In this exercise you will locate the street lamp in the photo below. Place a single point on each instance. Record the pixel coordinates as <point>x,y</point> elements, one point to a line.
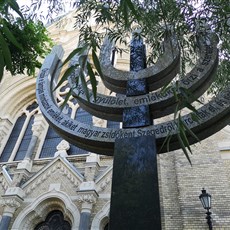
<point>205,199</point>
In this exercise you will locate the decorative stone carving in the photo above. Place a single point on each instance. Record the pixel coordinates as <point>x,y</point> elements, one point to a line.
<point>2,135</point>
<point>104,180</point>
<point>87,197</point>
<point>61,169</point>
<point>4,183</point>
<point>38,125</point>
<point>8,201</point>
<point>5,126</point>
<point>104,184</point>
<point>63,145</point>
<point>62,148</point>
<point>10,204</point>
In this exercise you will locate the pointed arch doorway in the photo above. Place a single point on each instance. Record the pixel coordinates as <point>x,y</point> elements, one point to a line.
<point>54,221</point>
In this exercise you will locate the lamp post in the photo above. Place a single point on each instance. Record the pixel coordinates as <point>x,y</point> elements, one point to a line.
<point>205,199</point>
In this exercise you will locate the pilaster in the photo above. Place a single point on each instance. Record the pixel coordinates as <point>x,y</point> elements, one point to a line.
<point>12,200</point>
<point>87,197</point>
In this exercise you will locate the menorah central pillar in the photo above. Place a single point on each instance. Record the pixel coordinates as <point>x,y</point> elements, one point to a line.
<point>135,192</point>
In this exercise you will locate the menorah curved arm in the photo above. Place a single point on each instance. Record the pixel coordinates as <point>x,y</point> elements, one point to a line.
<point>196,81</point>
<point>158,75</point>
<point>213,117</point>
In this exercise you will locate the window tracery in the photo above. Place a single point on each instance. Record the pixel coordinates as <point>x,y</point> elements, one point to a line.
<point>54,221</point>
<point>16,146</point>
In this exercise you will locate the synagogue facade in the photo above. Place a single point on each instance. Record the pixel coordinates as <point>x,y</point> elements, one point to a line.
<point>47,181</point>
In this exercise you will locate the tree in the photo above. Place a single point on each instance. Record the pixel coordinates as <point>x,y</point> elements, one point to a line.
<point>157,19</point>
<point>22,41</point>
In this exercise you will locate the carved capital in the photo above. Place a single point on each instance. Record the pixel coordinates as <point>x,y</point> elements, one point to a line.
<point>89,197</point>
<point>10,204</point>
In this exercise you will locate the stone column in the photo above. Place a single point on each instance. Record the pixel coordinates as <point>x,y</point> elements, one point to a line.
<point>25,166</point>
<point>37,128</point>
<point>10,201</point>
<point>87,196</point>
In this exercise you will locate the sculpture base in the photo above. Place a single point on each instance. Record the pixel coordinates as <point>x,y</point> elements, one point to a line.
<point>135,192</point>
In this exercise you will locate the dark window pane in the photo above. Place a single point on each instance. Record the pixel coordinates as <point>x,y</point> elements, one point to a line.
<point>32,107</point>
<point>52,139</point>
<point>84,117</point>
<point>74,150</point>
<point>50,144</point>
<point>25,141</point>
<point>113,124</point>
<point>54,221</point>
<point>13,138</point>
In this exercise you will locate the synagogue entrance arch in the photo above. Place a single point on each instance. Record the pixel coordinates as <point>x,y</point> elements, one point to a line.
<point>38,211</point>
<point>101,219</point>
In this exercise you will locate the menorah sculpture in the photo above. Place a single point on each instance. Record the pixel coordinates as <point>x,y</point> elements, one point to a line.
<point>135,193</point>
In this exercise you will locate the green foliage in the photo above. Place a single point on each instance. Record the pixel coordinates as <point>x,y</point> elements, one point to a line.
<point>35,44</point>
<point>157,19</point>
<point>22,42</point>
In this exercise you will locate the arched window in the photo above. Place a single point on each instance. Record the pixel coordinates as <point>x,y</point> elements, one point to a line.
<point>20,136</point>
<point>25,141</point>
<point>53,139</point>
<point>50,144</point>
<point>54,221</point>
<point>13,138</point>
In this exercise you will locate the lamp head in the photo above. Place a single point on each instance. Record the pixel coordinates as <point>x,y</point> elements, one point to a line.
<point>205,199</point>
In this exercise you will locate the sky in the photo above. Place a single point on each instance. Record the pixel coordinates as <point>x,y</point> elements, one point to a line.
<point>43,10</point>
